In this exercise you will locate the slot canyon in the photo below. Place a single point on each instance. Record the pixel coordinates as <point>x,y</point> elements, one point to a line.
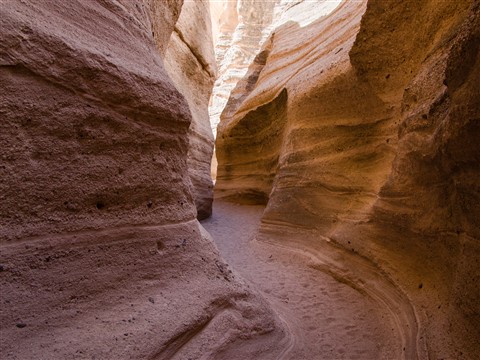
<point>240,179</point>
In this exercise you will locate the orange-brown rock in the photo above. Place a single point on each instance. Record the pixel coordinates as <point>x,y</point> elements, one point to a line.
<point>359,129</point>
<point>101,255</point>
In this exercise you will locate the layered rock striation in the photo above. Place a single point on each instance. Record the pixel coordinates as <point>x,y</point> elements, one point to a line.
<point>242,27</point>
<point>101,255</point>
<point>190,62</point>
<point>357,129</point>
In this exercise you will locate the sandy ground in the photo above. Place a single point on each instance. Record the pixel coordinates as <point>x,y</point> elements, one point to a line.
<point>326,318</point>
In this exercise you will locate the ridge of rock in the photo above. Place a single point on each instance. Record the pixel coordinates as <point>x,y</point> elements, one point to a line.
<point>190,62</point>
<point>101,255</point>
<point>362,127</point>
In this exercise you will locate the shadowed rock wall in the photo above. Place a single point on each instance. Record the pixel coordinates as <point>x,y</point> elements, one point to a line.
<point>377,152</point>
<point>190,62</point>
<point>100,252</point>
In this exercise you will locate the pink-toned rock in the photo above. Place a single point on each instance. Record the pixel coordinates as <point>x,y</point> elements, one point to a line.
<point>101,254</point>
<point>190,62</point>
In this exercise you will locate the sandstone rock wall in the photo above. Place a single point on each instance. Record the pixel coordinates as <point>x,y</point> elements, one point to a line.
<point>241,28</point>
<point>290,50</point>
<point>372,148</point>
<point>224,17</point>
<point>190,62</point>
<point>64,167</point>
<point>243,25</point>
<point>431,194</point>
<point>100,252</point>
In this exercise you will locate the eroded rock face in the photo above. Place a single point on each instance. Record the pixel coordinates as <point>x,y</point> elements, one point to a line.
<point>190,62</point>
<point>362,128</point>
<point>275,66</point>
<point>242,26</point>
<point>100,252</point>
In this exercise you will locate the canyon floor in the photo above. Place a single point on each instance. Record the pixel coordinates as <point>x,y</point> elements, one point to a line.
<point>325,316</point>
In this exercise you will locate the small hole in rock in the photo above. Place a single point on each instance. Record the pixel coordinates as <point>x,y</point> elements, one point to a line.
<point>100,205</point>
<point>160,245</point>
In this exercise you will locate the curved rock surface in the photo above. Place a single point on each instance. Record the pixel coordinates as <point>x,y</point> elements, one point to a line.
<point>358,129</point>
<point>100,252</point>
<point>190,62</point>
<point>242,26</point>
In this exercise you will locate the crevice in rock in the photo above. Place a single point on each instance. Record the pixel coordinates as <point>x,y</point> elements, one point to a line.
<point>379,96</point>
<point>347,201</point>
<point>263,128</point>
<point>205,65</point>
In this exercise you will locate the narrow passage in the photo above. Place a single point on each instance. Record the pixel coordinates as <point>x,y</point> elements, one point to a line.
<point>327,319</point>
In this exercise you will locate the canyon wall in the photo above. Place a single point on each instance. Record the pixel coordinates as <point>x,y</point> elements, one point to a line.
<point>101,255</point>
<point>358,130</point>
<point>241,26</point>
<point>190,62</point>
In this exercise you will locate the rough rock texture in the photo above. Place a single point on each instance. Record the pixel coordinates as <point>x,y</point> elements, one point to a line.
<point>100,252</point>
<point>360,128</point>
<point>242,26</point>
<point>190,62</point>
<point>259,96</point>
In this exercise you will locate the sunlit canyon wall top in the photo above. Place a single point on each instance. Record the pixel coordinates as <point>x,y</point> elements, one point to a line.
<point>241,27</point>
